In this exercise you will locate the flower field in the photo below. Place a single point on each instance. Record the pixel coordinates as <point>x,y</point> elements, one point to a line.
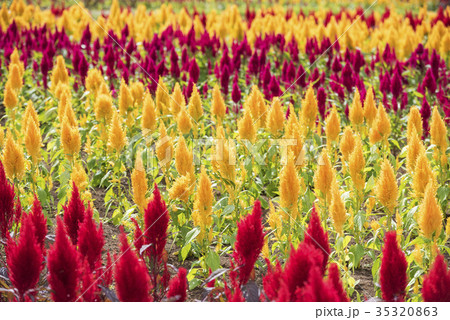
<point>274,152</point>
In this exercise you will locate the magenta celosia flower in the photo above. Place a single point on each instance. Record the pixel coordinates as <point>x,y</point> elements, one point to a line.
<point>429,81</point>
<point>24,259</point>
<point>298,268</point>
<point>130,273</point>
<point>317,237</point>
<point>393,278</point>
<point>90,240</point>
<point>178,286</point>
<point>156,219</point>
<point>347,77</point>
<point>194,70</point>
<point>63,267</point>
<point>39,223</point>
<point>272,280</point>
<point>7,211</point>
<point>396,84</point>
<point>321,101</point>
<point>249,242</point>
<point>74,214</point>
<point>335,280</point>
<point>436,283</point>
<point>236,92</point>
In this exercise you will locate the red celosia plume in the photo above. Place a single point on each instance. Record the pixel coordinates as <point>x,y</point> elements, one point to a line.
<point>39,222</point>
<point>436,283</point>
<point>7,211</point>
<point>316,236</point>
<point>138,237</point>
<point>90,240</point>
<point>89,288</point>
<point>74,214</point>
<point>24,259</point>
<point>63,267</point>
<point>156,218</point>
<point>178,286</point>
<point>335,280</point>
<point>249,242</point>
<point>317,289</point>
<point>132,279</point>
<point>393,278</point>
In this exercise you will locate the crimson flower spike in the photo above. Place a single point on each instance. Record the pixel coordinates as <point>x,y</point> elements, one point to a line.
<point>249,242</point>
<point>178,286</point>
<point>74,214</point>
<point>63,267</point>
<point>90,239</point>
<point>393,276</point>
<point>436,283</point>
<point>317,237</point>
<point>130,273</point>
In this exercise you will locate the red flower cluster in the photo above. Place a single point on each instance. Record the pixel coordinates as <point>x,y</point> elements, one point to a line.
<point>249,242</point>
<point>393,276</point>
<point>24,259</point>
<point>90,240</point>
<point>7,212</point>
<point>74,214</point>
<point>178,286</point>
<point>436,283</point>
<point>63,267</point>
<point>132,280</point>
<point>317,237</point>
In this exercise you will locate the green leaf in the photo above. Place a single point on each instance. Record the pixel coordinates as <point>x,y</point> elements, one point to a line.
<point>228,209</point>
<point>185,251</point>
<point>191,235</point>
<point>213,260</point>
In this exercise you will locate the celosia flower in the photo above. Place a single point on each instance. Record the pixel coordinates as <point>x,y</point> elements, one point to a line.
<point>430,214</point>
<point>130,273</point>
<point>249,242</point>
<point>386,188</point>
<point>317,237</point>
<point>289,189</point>
<point>181,189</point>
<point>316,289</point>
<point>73,214</point>
<point>333,125</point>
<point>13,158</point>
<point>438,131</point>
<point>63,267</point>
<point>139,183</point>
<point>156,220</point>
<point>184,122</point>
<point>70,139</point>
<point>218,108</point>
<point>137,92</point>
<point>393,278</point>
<point>275,119</point>
<point>90,240</point>
<point>93,81</point>
<point>195,105</point>
<point>178,286</point>
<point>162,98</point>
<point>79,176</point>
<point>370,109</point>
<point>117,138</point>
<point>335,279</point>
<point>436,282</point>
<point>103,108</point>
<point>246,127</point>
<point>324,177</point>
<point>337,210</point>
<point>423,174</point>
<point>347,143</point>
<point>33,140</point>
<point>309,108</point>
<point>6,204</point>
<point>24,259</point>
<point>356,165</point>
<point>164,147</point>
<point>356,112</point>
<point>203,205</point>
<point>39,223</point>
<point>10,99</point>
<point>184,159</point>
<point>177,101</point>
<point>415,148</point>
<point>15,78</point>
<point>148,113</point>
<point>59,74</point>
<point>125,98</point>
<point>381,127</point>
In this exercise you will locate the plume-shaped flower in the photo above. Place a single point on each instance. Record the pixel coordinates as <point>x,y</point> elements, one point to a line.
<point>275,119</point>
<point>63,267</point>
<point>393,278</point>
<point>318,238</point>
<point>430,214</point>
<point>7,211</point>
<point>24,259</point>
<point>117,138</point>
<point>333,125</point>
<point>130,273</point>
<point>74,213</point>
<point>386,188</point>
<point>178,286</point>
<point>203,204</point>
<point>139,183</point>
<point>156,219</point>
<point>90,239</point>
<point>249,242</point>
<point>436,282</point>
<point>289,189</point>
